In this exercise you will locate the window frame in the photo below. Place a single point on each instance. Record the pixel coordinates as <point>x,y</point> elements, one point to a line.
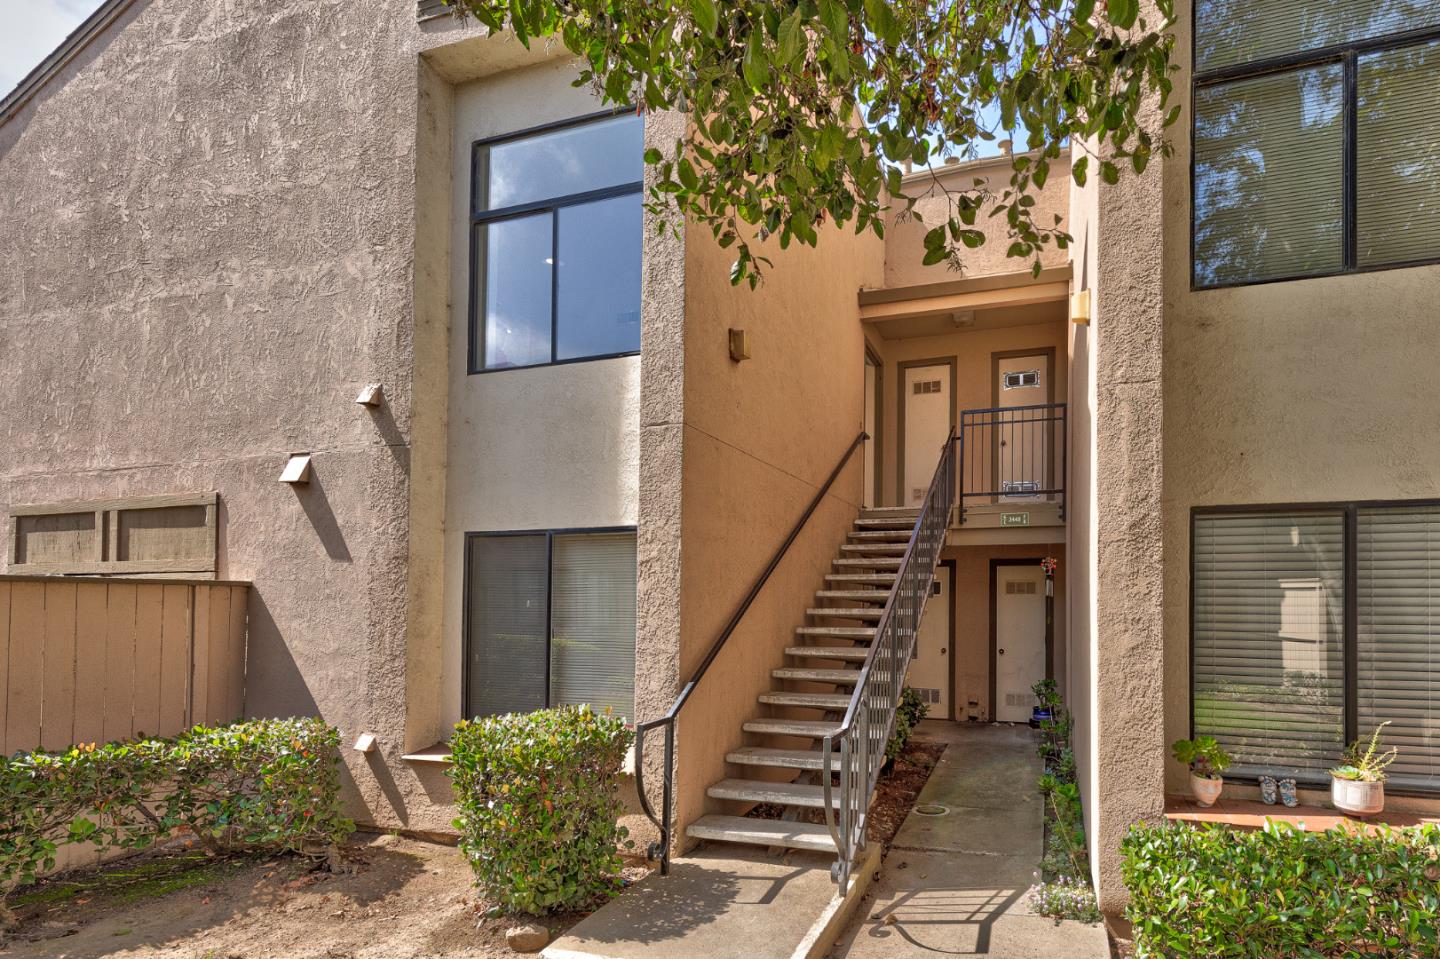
<point>466,570</point>
<point>1349,637</point>
<point>1347,55</point>
<point>475,335</point>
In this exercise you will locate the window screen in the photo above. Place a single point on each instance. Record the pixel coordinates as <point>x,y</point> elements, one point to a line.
<point>1398,637</point>
<point>1268,670</point>
<point>506,609</point>
<point>592,604</point>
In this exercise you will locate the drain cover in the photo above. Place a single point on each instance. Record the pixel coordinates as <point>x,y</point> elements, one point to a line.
<point>932,809</point>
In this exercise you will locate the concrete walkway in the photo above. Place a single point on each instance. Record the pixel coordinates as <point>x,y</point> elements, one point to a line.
<point>954,884</point>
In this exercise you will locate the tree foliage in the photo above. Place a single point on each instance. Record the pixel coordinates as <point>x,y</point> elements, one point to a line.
<point>801,109</point>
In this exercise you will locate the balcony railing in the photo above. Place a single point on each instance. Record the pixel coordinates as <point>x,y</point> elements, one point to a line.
<point>1012,459</point>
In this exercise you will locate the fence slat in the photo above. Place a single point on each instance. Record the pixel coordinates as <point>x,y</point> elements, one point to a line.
<point>90,661</point>
<point>149,610</point>
<point>235,655</point>
<point>27,660</point>
<point>120,662</point>
<point>219,641</point>
<point>4,656</point>
<point>174,659</point>
<point>57,708</point>
<point>200,660</point>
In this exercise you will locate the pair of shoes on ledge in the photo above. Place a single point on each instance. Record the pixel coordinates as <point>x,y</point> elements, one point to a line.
<point>1270,786</point>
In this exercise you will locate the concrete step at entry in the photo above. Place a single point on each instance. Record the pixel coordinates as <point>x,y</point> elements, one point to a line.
<point>791,727</point>
<point>841,612</point>
<point>868,562</point>
<point>782,794</point>
<point>775,758</point>
<point>854,595</point>
<point>871,512</point>
<point>837,632</point>
<point>886,524</point>
<point>835,701</point>
<point>879,536</point>
<point>840,677</point>
<point>874,549</point>
<point>856,654</point>
<point>869,579</point>
<point>762,832</point>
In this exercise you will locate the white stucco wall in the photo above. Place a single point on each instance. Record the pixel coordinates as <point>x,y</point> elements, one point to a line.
<point>554,447</point>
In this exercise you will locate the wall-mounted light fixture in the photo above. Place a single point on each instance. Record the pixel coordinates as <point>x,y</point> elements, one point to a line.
<point>297,469</point>
<point>1080,308</point>
<point>739,345</point>
<point>366,743</point>
<point>369,396</point>
<point>963,318</point>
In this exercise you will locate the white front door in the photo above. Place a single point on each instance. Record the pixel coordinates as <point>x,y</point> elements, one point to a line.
<point>1019,640</point>
<point>1023,437</point>
<point>927,408</point>
<point>930,671</point>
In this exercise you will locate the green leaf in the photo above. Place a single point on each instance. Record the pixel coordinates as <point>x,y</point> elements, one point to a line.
<point>754,65</point>
<point>1122,13</point>
<point>1077,171</point>
<point>707,18</point>
<point>791,38</point>
<point>1109,172</point>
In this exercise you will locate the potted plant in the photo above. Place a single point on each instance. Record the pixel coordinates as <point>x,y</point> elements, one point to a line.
<point>1357,785</point>
<point>1206,761</point>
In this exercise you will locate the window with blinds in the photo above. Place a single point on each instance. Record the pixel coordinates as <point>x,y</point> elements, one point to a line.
<point>1398,636</point>
<point>550,620</point>
<point>1268,605</point>
<point>1316,139</point>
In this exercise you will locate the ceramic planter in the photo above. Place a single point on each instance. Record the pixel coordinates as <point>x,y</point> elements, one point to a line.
<point>1356,798</point>
<point>1206,791</point>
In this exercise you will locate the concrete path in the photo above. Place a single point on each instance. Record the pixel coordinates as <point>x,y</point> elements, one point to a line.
<point>954,884</point>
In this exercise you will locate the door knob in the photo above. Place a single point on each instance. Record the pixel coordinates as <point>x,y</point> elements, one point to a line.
<point>943,650</point>
<point>1001,652</point>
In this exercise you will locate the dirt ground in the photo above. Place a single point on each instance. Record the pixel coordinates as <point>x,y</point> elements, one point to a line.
<point>403,898</point>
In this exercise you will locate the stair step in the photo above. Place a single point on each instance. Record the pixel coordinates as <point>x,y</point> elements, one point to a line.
<point>776,758</point>
<point>815,729</point>
<point>857,654</point>
<point>858,595</point>
<point>880,536</point>
<point>839,612</point>
<point>782,794</point>
<point>841,677</point>
<point>869,562</point>
<point>762,832</point>
<point>875,549</point>
<point>902,523</point>
<point>875,579</point>
<point>836,701</point>
<point>911,511</point>
<point>840,632</point>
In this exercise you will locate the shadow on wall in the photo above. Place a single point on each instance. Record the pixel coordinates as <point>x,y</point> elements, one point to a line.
<point>312,499</point>
<point>273,684</point>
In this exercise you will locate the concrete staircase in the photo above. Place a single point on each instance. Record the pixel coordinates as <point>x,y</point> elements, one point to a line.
<point>824,660</point>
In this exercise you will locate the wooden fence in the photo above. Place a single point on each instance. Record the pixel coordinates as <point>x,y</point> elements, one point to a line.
<point>99,660</point>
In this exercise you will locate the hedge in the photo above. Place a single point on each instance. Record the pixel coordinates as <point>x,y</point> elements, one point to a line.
<point>1213,892</point>
<point>271,784</point>
<point>539,806</point>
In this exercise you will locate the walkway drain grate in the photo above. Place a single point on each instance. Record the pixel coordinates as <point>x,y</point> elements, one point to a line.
<point>932,809</point>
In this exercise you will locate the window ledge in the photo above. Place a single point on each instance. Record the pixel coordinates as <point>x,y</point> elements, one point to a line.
<point>438,754</point>
<point>1248,814</point>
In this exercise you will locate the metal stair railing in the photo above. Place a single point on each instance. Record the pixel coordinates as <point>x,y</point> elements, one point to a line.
<point>660,850</point>
<point>870,718</point>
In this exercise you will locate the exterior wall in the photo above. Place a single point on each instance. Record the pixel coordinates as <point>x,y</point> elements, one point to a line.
<point>760,437</point>
<point>905,237</point>
<point>1313,390</point>
<point>554,447</point>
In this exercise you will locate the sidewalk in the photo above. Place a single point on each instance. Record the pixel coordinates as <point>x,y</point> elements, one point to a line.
<point>954,884</point>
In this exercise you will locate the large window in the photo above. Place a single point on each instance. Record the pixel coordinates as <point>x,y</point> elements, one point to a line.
<point>1316,138</point>
<point>549,621</point>
<point>1312,626</point>
<point>556,230</point>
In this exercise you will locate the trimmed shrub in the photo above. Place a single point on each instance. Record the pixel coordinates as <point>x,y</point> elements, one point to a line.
<point>1213,892</point>
<point>908,714</point>
<point>269,783</point>
<point>539,806</point>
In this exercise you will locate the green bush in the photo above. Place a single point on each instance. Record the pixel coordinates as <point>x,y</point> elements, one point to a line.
<point>908,714</point>
<point>1213,892</point>
<point>539,803</point>
<point>270,783</point>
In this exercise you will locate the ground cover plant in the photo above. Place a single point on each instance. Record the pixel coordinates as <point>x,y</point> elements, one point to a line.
<point>1208,892</point>
<point>1062,887</point>
<point>268,784</point>
<point>539,805</point>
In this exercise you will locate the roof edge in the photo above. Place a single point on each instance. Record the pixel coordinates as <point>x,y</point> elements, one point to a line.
<point>69,48</point>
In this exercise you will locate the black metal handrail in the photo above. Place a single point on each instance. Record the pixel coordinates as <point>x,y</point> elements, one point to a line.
<point>661,849</point>
<point>1013,453</point>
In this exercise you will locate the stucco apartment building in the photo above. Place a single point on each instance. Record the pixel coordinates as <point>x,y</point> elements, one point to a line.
<point>224,223</point>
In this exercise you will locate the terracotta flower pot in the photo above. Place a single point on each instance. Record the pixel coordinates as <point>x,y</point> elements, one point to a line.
<point>1206,791</point>
<point>1357,798</point>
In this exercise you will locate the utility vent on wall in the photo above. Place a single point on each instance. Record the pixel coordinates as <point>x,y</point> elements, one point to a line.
<point>927,386</point>
<point>928,695</point>
<point>1020,380</point>
<point>1013,587</point>
<point>1017,699</point>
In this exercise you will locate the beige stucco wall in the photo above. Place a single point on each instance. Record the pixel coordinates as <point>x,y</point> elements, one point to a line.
<point>905,235</point>
<point>759,438</point>
<point>1306,391</point>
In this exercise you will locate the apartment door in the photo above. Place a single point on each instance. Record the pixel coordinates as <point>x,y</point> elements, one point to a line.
<point>930,671</point>
<point>927,411</point>
<point>1019,638</point>
<point>870,493</point>
<point>1022,437</point>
